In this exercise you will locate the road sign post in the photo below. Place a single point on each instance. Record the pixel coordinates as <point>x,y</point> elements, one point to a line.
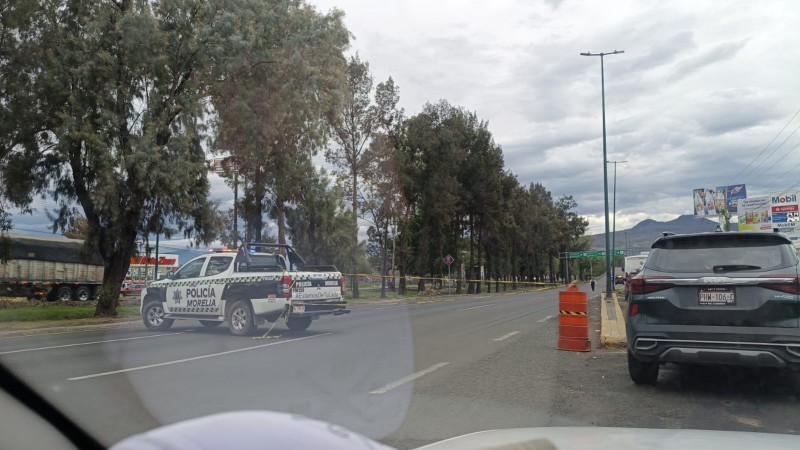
<point>449,261</point>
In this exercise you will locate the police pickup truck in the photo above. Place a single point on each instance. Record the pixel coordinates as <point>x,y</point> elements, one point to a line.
<point>257,283</point>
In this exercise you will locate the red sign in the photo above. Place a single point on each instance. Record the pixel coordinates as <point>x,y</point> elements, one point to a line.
<point>449,260</point>
<point>785,208</point>
<point>143,260</point>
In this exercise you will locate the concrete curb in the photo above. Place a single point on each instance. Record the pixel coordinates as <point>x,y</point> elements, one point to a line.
<point>612,330</point>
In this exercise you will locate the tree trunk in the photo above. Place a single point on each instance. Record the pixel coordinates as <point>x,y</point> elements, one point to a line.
<point>280,218</point>
<point>115,269</point>
<point>258,206</point>
<point>383,265</point>
<point>478,277</point>
<point>356,293</point>
<point>488,271</point>
<point>471,285</point>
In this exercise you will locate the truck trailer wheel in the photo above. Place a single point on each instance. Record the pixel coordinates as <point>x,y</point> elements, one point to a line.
<point>153,317</point>
<point>83,294</point>
<point>241,319</point>
<point>64,293</point>
<point>298,323</point>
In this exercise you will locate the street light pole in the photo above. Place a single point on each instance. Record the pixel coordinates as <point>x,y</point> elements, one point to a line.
<point>614,226</point>
<point>609,280</point>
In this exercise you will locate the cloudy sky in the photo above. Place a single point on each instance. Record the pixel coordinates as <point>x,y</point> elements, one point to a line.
<point>702,88</point>
<point>696,100</point>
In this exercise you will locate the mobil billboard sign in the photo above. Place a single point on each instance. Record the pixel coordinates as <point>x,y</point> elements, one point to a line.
<point>785,210</point>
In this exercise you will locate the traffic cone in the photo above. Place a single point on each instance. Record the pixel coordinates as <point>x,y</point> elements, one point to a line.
<point>573,320</point>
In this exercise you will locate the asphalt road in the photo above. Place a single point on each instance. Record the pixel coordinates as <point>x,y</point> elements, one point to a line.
<point>403,374</point>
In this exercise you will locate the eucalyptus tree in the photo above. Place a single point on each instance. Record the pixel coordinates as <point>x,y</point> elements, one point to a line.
<point>274,115</point>
<point>103,109</point>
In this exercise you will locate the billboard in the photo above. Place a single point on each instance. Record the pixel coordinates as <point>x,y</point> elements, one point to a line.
<point>734,193</point>
<point>755,214</point>
<point>785,211</point>
<point>712,201</point>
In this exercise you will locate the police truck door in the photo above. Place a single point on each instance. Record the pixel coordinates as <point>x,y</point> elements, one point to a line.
<point>188,294</point>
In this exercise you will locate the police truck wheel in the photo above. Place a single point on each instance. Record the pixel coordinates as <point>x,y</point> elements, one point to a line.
<point>298,323</point>
<point>83,294</point>
<point>210,323</point>
<point>240,318</point>
<point>153,317</point>
<point>64,293</point>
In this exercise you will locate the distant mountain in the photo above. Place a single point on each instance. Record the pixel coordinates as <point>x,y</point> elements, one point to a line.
<point>639,238</point>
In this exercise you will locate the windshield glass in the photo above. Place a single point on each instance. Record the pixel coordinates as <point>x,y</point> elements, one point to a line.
<point>411,219</point>
<point>706,254</point>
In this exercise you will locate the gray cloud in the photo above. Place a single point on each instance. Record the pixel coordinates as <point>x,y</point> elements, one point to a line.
<point>701,88</point>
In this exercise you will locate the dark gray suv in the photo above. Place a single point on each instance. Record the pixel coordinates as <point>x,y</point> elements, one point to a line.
<point>715,298</point>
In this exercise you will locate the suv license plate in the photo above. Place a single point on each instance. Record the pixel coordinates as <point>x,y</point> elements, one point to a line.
<point>716,297</point>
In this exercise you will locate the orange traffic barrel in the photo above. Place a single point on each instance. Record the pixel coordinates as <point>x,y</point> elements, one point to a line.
<point>573,320</point>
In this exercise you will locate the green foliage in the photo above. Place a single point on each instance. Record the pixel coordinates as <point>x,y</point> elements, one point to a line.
<point>460,200</point>
<point>353,127</point>
<point>273,113</point>
<point>321,227</point>
<point>104,105</point>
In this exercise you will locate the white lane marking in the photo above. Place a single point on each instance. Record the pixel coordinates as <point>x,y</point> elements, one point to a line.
<point>476,307</point>
<point>195,358</point>
<point>90,343</point>
<point>404,380</point>
<point>545,319</point>
<point>506,336</point>
<point>385,307</point>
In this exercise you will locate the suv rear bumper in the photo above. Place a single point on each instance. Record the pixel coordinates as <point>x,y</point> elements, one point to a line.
<point>754,347</point>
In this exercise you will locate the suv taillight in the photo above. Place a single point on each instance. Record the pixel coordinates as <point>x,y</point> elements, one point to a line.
<point>644,285</point>
<point>792,287</point>
<point>286,288</point>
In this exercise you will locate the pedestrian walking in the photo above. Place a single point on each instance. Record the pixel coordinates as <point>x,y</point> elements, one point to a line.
<point>592,283</point>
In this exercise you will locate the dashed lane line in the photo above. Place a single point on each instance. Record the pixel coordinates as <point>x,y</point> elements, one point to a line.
<point>506,336</point>
<point>404,380</point>
<point>476,307</point>
<point>195,358</point>
<point>544,319</point>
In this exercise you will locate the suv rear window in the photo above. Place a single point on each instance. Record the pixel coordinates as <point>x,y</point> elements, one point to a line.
<point>692,254</point>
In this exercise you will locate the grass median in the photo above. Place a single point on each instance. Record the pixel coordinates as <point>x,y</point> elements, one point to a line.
<point>24,314</point>
<point>59,312</point>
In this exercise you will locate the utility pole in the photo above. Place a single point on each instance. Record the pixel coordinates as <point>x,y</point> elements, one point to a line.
<point>614,226</point>
<point>609,256</point>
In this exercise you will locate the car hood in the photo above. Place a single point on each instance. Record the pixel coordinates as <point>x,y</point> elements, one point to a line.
<point>245,430</point>
<point>575,438</point>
